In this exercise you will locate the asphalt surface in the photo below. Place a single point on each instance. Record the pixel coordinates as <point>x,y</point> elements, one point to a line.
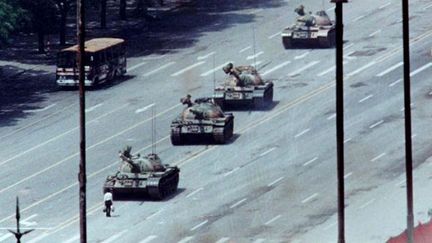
<point>276,180</point>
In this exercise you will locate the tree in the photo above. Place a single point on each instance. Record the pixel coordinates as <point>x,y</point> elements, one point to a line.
<point>63,8</point>
<point>11,18</point>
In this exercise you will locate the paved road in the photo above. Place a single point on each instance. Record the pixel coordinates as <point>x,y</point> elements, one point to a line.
<point>276,181</point>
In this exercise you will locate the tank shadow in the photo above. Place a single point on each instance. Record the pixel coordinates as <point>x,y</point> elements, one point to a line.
<point>250,108</point>
<point>205,140</point>
<point>145,197</point>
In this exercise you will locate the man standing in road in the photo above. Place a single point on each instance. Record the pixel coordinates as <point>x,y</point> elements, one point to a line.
<point>108,197</point>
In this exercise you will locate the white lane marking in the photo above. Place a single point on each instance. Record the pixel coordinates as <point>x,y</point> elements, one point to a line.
<point>187,69</point>
<point>304,68</point>
<point>267,152</point>
<point>256,64</point>
<point>153,57</point>
<point>275,181</point>
<point>232,171</point>
<point>332,68</point>
<point>159,69</point>
<point>348,55</point>
<point>367,203</point>
<point>376,124</point>
<point>428,6</point>
<point>4,237</point>
<point>149,238</point>
<point>245,49</point>
<point>347,175</point>
<point>420,69</point>
<point>385,5</point>
<point>330,225</point>
<point>238,203</point>
<point>308,199</point>
<point>259,241</point>
<point>199,225</point>
<point>414,135</point>
<point>215,69</point>
<point>400,182</point>
<point>73,239</point>
<point>256,11</point>
<point>187,239</point>
<point>115,237</point>
<point>93,107</point>
<point>365,98</point>
<point>276,68</point>
<point>136,66</point>
<point>348,46</point>
<point>375,33</point>
<point>330,9</point>
<point>361,68</point>
<point>274,35</point>
<point>395,82</point>
<point>39,110</point>
<point>38,238</point>
<point>254,56</point>
<point>310,161</point>
<point>273,219</point>
<point>403,108</point>
<point>389,69</point>
<point>206,56</point>
<point>195,192</point>
<point>358,18</point>
<point>347,140</point>
<point>332,116</point>
<point>28,223</point>
<point>144,108</point>
<point>223,240</point>
<point>302,133</point>
<point>154,214</point>
<point>302,55</point>
<point>378,157</point>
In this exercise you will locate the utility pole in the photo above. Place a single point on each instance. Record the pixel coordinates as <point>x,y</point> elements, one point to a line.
<point>407,106</point>
<point>340,119</point>
<point>82,165</point>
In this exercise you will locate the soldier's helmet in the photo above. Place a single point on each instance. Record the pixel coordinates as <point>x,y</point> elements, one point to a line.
<point>300,10</point>
<point>227,68</point>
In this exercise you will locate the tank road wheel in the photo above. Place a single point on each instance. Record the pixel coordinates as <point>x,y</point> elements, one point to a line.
<point>175,138</point>
<point>286,41</point>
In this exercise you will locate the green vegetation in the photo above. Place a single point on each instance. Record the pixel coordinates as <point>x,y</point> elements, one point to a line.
<point>11,18</point>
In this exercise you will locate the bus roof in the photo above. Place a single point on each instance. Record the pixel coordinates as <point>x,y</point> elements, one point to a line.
<point>97,44</point>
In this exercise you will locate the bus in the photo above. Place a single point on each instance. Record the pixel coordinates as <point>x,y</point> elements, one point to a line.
<point>104,59</point>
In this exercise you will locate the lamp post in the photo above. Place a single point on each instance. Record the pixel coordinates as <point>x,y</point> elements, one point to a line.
<point>340,119</point>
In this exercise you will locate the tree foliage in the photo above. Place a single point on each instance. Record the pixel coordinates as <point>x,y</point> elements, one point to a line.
<point>11,18</point>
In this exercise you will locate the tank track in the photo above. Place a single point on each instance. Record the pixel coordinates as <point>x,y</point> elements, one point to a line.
<point>176,138</point>
<point>221,138</point>
<point>160,187</point>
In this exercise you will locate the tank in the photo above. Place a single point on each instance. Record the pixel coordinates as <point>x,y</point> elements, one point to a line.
<point>142,176</point>
<point>203,121</point>
<point>315,29</point>
<point>251,91</point>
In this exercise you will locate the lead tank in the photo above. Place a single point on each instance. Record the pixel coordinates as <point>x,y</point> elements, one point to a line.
<point>202,120</point>
<point>142,176</point>
<point>243,86</point>
<point>315,29</point>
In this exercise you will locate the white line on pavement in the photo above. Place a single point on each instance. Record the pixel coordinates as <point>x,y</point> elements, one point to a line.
<point>38,238</point>
<point>330,9</point>
<point>276,68</point>
<point>275,181</point>
<point>378,157</point>
<point>273,219</point>
<point>389,69</point>
<point>311,64</point>
<point>256,64</point>
<point>331,116</point>
<point>199,225</point>
<point>206,56</point>
<point>348,46</point>
<point>414,135</point>
<point>136,66</point>
<point>395,82</point>
<point>401,182</point>
<point>361,68</point>
<point>348,55</point>
<point>422,68</point>
<point>232,171</point>
<point>215,69</point>
<point>93,107</point>
<point>186,239</point>
<point>358,18</point>
<point>308,199</point>
<point>254,56</point>
<point>223,240</point>
<point>157,57</point>
<point>268,151</point>
<point>238,203</point>
<point>375,33</point>
<point>149,238</point>
<point>144,108</point>
<point>154,214</point>
<point>115,237</point>
<point>428,6</point>
<point>347,140</point>
<point>274,35</point>
<point>187,69</point>
<point>310,161</point>
<point>259,241</point>
<point>73,239</point>
<point>4,237</point>
<point>347,175</point>
<point>245,49</point>
<point>367,203</point>
<point>385,5</point>
<point>302,133</point>
<point>365,98</point>
<point>159,69</point>
<point>28,223</point>
<point>39,110</point>
<point>195,192</point>
<point>302,55</point>
<point>376,124</point>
